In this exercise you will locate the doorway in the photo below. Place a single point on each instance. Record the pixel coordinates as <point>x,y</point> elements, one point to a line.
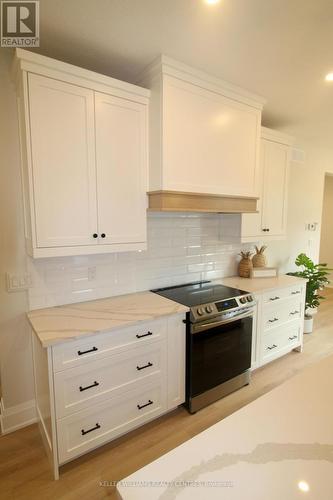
<point>326,238</point>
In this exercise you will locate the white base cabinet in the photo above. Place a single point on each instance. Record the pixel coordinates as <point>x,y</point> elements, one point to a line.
<point>280,322</point>
<point>84,431</point>
<point>84,148</point>
<point>270,223</point>
<point>92,390</point>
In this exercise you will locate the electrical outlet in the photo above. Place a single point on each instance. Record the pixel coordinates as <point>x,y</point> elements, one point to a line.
<point>18,282</point>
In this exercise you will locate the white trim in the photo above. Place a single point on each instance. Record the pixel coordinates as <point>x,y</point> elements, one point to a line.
<point>29,61</point>
<point>44,430</point>
<point>168,66</point>
<point>16,417</point>
<point>38,253</point>
<point>276,136</point>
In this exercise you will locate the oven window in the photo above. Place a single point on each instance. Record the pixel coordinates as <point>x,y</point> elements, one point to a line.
<point>219,354</point>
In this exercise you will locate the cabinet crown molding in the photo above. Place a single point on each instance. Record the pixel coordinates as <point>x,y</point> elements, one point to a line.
<point>277,136</point>
<point>26,60</point>
<point>165,65</point>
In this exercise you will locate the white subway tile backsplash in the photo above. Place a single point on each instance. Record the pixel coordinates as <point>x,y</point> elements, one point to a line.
<point>181,248</point>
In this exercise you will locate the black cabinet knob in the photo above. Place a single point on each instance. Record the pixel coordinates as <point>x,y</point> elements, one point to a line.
<point>103,235</point>
<point>95,235</point>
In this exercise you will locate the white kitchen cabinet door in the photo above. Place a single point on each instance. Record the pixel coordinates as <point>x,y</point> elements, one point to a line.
<point>276,159</point>
<point>211,142</point>
<point>121,160</point>
<point>63,162</point>
<point>252,224</point>
<point>271,220</point>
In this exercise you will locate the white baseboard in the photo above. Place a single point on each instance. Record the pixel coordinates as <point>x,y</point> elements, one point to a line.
<point>16,417</point>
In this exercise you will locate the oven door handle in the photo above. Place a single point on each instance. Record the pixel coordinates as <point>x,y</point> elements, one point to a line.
<point>206,326</point>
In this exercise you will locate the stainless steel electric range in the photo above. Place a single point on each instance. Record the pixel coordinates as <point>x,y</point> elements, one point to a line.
<point>218,339</point>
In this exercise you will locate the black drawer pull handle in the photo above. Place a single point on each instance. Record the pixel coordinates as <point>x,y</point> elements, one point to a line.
<point>144,335</point>
<point>86,352</point>
<point>95,384</point>
<point>145,366</point>
<point>294,312</point>
<point>293,337</point>
<point>150,402</point>
<point>295,293</point>
<point>274,298</point>
<point>83,432</point>
<point>273,320</point>
<point>271,347</point>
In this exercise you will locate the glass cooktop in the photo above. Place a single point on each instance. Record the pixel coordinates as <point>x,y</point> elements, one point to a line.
<point>195,294</point>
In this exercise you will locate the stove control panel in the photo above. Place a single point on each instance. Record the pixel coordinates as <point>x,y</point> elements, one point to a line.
<point>204,311</point>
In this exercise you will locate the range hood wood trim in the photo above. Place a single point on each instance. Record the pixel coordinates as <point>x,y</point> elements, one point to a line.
<point>178,201</point>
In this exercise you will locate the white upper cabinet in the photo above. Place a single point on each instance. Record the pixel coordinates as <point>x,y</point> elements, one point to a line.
<point>121,159</point>
<point>84,147</point>
<point>204,133</point>
<point>63,162</point>
<point>271,220</point>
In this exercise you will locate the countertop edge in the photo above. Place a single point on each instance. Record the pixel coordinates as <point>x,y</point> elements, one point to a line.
<point>180,309</point>
<point>264,289</point>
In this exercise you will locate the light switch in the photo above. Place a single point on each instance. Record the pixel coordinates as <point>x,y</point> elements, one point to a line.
<point>18,282</point>
<point>311,226</point>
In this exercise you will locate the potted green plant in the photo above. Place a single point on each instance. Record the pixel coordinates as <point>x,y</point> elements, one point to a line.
<point>316,274</point>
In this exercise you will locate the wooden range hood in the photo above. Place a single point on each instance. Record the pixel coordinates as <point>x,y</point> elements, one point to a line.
<point>177,201</point>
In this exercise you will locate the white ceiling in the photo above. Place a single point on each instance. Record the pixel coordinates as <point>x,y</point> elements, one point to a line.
<point>281,49</point>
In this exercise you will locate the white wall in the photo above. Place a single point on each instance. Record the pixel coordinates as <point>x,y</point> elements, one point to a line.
<point>326,241</point>
<point>15,348</point>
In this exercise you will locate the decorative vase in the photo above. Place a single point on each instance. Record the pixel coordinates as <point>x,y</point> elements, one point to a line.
<point>310,311</point>
<point>245,265</point>
<point>308,324</point>
<point>259,259</point>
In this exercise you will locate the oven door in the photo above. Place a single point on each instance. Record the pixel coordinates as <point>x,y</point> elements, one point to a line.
<point>218,351</point>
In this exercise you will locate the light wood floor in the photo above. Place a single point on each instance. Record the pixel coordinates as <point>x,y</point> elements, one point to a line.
<point>24,470</point>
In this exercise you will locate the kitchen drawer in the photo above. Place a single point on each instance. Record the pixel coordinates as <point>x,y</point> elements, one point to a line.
<point>281,339</point>
<point>275,315</point>
<point>78,352</point>
<point>283,293</point>
<point>92,383</point>
<point>92,427</point>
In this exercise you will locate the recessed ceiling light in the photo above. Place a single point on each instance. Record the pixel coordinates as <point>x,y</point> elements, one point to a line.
<point>329,77</point>
<point>212,2</point>
<point>303,486</point>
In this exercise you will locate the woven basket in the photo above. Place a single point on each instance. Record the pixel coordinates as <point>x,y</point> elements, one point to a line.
<point>245,265</point>
<point>259,259</point>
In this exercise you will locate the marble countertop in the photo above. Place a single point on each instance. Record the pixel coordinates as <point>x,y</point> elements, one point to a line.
<point>280,446</point>
<point>261,285</point>
<point>59,324</point>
